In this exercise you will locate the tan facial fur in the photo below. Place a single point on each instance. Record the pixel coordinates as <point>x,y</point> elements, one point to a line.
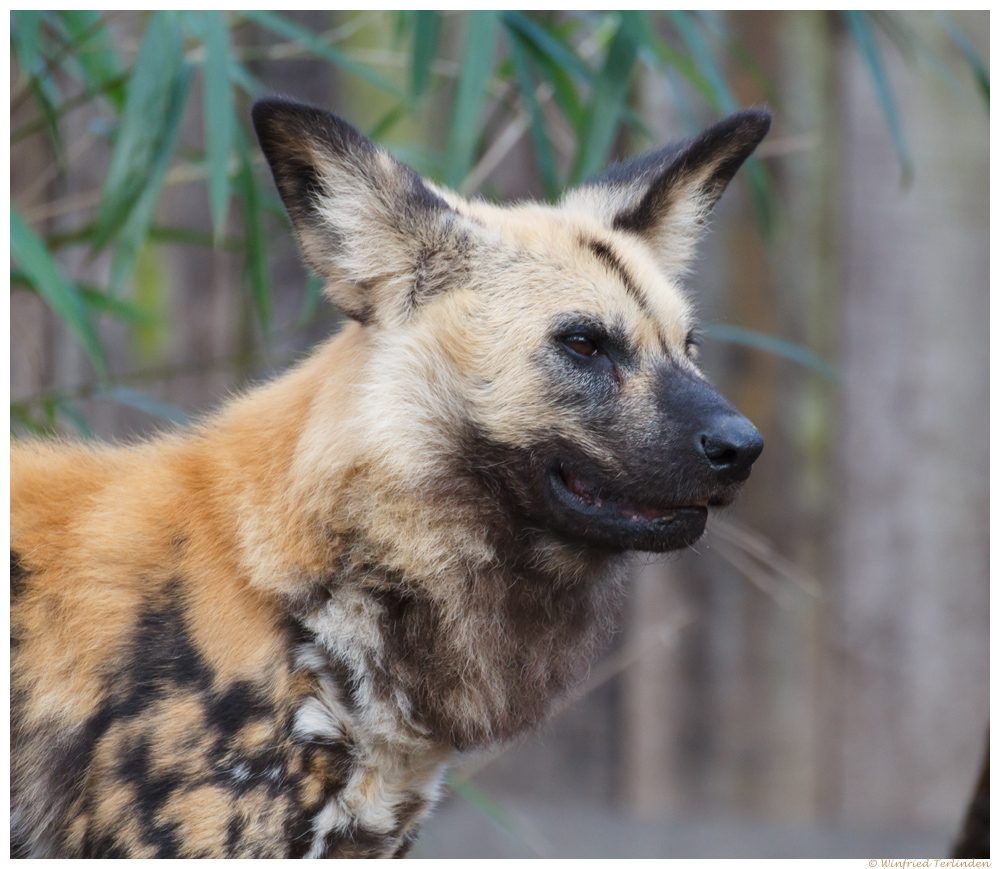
<point>268,635</point>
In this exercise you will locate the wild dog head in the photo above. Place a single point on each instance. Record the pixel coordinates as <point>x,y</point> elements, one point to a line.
<point>550,347</point>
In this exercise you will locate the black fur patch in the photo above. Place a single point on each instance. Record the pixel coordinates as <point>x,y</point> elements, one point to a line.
<point>160,657</point>
<point>408,810</point>
<point>234,834</point>
<point>353,841</point>
<point>151,790</point>
<point>226,713</point>
<point>18,583</point>
<point>298,833</point>
<point>18,575</point>
<point>607,256</point>
<point>347,682</point>
<point>103,847</point>
<point>286,129</point>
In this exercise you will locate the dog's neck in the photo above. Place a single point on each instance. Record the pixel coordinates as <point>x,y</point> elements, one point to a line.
<point>443,632</point>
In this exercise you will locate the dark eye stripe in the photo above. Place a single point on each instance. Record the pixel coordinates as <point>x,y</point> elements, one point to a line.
<point>607,256</point>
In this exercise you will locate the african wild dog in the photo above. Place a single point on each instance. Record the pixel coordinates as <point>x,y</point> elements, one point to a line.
<point>268,635</point>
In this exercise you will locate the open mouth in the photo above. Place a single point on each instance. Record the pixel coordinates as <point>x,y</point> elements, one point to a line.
<point>585,495</point>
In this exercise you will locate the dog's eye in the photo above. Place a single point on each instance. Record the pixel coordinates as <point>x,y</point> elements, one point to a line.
<point>582,345</point>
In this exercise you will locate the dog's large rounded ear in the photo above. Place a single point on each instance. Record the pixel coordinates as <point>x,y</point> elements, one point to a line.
<point>361,217</point>
<point>665,197</point>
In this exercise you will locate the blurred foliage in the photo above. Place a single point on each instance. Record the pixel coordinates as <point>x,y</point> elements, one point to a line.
<point>564,79</point>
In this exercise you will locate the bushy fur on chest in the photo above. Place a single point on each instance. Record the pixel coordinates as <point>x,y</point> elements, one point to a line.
<point>270,634</point>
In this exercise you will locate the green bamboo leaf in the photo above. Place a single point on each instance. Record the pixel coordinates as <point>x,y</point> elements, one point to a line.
<point>42,423</point>
<point>426,161</point>
<point>402,23</point>
<point>150,290</point>
<point>721,96</point>
<point>270,203</point>
<point>95,299</point>
<point>771,344</point>
<point>602,27</point>
<point>256,240</point>
<point>100,302</point>
<point>49,408</point>
<point>26,36</point>
<point>146,403</point>
<point>564,89</point>
<point>144,122</point>
<point>21,418</point>
<point>426,29</point>
<point>636,122</point>
<point>867,46</point>
<point>912,47</point>
<point>473,80</point>
<point>558,63</point>
<point>133,233</point>
<point>549,46</point>
<point>714,22</point>
<point>184,235</point>
<point>703,72</point>
<point>245,80</point>
<point>600,123</point>
<point>543,150</point>
<point>290,30</point>
<point>219,120</point>
<point>59,31</point>
<point>30,253</point>
<point>67,50</point>
<point>193,23</point>
<point>25,33</point>
<point>85,233</point>
<point>51,113</point>
<point>389,120</point>
<point>101,65</point>
<point>972,58</point>
<point>762,196</point>
<point>684,66</point>
<point>20,281</point>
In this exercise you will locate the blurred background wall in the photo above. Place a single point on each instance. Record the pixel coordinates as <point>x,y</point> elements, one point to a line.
<point>812,678</point>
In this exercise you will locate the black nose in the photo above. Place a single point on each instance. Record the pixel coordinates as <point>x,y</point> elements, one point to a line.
<point>731,444</point>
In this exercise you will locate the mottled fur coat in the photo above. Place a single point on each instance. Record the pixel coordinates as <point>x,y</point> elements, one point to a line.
<point>269,634</point>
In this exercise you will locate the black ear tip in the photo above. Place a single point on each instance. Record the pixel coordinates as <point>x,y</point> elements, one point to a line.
<point>280,121</point>
<point>761,114</point>
<point>754,122</point>
<point>268,112</point>
<point>268,106</point>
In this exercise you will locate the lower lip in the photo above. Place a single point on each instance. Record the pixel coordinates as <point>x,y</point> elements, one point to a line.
<point>667,516</point>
